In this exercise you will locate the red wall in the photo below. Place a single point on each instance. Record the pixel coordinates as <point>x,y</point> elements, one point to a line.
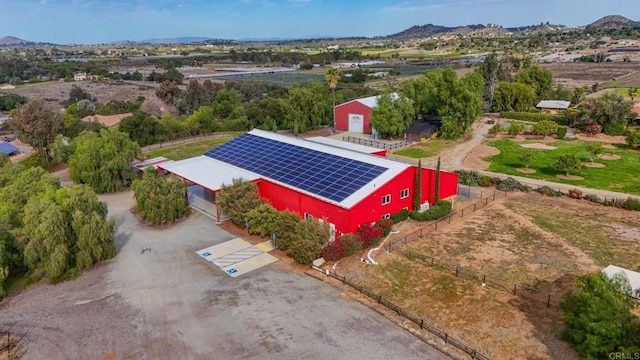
<point>369,209</point>
<point>342,111</point>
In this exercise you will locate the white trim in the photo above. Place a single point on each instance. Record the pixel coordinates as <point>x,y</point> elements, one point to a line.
<point>402,193</point>
<point>387,198</point>
<point>386,216</point>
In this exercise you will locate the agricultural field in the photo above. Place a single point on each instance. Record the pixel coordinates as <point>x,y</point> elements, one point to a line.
<point>282,78</point>
<point>526,239</point>
<point>609,74</point>
<point>615,170</point>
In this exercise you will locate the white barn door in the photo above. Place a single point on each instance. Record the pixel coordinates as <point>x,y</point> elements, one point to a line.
<point>356,123</point>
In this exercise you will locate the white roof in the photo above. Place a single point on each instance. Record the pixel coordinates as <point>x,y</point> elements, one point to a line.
<point>553,104</point>
<point>633,276</point>
<point>371,101</point>
<point>207,172</point>
<point>393,167</point>
<point>344,144</point>
<point>154,162</point>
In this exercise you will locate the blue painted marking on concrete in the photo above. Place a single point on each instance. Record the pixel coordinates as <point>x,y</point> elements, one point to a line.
<point>206,254</point>
<point>232,271</point>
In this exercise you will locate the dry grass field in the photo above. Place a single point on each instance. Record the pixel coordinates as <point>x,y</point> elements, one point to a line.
<point>526,239</point>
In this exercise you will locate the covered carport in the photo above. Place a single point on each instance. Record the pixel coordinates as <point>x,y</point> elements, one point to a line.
<point>205,177</point>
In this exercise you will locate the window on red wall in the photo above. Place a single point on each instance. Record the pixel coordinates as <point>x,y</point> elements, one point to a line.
<point>386,216</point>
<point>386,199</point>
<point>404,194</point>
<point>308,216</point>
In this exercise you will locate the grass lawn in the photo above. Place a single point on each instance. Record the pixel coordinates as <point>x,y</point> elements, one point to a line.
<point>184,151</point>
<point>428,149</point>
<point>618,175</point>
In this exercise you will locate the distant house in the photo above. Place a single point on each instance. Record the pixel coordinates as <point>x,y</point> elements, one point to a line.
<point>8,149</point>
<point>106,120</point>
<point>636,109</point>
<point>80,76</point>
<point>355,115</point>
<point>553,106</point>
<point>7,86</point>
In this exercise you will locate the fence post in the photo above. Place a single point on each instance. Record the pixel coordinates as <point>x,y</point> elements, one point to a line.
<point>446,338</point>
<point>344,280</point>
<point>474,207</point>
<point>420,232</point>
<point>549,300</point>
<point>514,289</point>
<point>481,196</point>
<point>421,323</point>
<point>432,262</point>
<point>449,217</point>
<point>436,225</point>
<point>457,266</point>
<point>379,299</point>
<point>484,279</point>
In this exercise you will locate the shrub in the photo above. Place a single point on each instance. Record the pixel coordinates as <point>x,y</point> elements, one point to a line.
<point>400,216</point>
<point>575,194</point>
<point>308,242</point>
<point>562,132</point>
<point>534,117</point>
<point>615,129</point>
<point>592,130</point>
<point>495,129</point>
<point>631,204</point>
<point>469,177</point>
<point>593,198</point>
<point>515,128</point>
<point>345,245</point>
<point>437,211</point>
<point>545,128</point>
<point>369,235</point>
<point>511,184</point>
<point>633,139</point>
<point>385,225</point>
<point>547,191</point>
<point>485,181</point>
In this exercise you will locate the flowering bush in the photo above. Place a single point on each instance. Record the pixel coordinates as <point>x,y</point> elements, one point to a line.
<point>369,234</point>
<point>385,225</point>
<point>345,245</point>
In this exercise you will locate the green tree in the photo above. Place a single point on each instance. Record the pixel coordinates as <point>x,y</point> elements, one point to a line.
<point>309,238</point>
<point>308,107</point>
<point>160,199</point>
<point>633,139</point>
<point>598,319</point>
<point>545,128</point>
<point>168,92</point>
<point>76,94</point>
<point>436,192</point>
<point>417,187</point>
<point>578,94</point>
<point>509,96</point>
<point>526,159</point>
<point>611,111</point>
<point>237,199</point>
<point>632,92</point>
<point>540,79</point>
<point>102,160</point>
<point>142,128</point>
<point>37,125</point>
<point>392,115</point>
<point>332,76</point>
<point>568,163</point>
<point>489,69</point>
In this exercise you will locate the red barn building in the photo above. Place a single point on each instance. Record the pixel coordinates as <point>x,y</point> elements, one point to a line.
<point>345,187</point>
<point>355,115</point>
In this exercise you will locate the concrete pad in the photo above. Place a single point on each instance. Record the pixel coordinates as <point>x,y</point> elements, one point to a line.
<point>237,257</point>
<point>250,264</point>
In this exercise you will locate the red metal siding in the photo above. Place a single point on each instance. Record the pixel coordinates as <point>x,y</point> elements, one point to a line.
<point>448,185</point>
<point>371,209</point>
<point>283,198</point>
<point>342,111</point>
<point>382,153</point>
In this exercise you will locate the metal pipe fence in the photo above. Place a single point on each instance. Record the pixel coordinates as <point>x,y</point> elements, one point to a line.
<point>420,322</point>
<point>377,144</point>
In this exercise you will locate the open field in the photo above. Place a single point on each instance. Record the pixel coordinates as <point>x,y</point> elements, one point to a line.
<point>56,92</point>
<point>617,175</point>
<point>613,74</point>
<point>187,150</point>
<point>526,239</point>
<point>430,148</point>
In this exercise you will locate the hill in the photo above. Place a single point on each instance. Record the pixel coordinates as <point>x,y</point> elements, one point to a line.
<point>614,22</point>
<point>431,30</point>
<point>13,41</point>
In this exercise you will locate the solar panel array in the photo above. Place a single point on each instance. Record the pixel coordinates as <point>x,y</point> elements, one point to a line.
<point>330,176</point>
<point>7,149</point>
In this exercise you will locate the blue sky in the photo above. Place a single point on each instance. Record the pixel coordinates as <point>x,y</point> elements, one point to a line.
<point>98,21</point>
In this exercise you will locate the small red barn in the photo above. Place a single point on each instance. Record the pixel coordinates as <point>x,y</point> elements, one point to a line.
<point>347,188</point>
<point>355,115</point>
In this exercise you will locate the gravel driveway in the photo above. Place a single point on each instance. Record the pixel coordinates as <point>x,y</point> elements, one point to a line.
<point>170,304</point>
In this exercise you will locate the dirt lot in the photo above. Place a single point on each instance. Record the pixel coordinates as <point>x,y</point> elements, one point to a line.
<point>526,239</point>
<point>574,74</point>
<point>168,303</point>
<point>104,91</point>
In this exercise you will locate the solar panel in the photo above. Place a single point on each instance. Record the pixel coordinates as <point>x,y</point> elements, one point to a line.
<point>326,175</point>
<point>7,149</point>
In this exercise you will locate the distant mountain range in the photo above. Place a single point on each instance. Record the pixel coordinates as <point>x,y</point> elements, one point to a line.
<point>606,23</point>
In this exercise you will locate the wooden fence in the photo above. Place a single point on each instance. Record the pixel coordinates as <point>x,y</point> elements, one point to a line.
<point>411,317</point>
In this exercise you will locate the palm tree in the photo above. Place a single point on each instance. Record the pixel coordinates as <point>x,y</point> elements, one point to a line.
<point>332,76</point>
<point>632,92</point>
